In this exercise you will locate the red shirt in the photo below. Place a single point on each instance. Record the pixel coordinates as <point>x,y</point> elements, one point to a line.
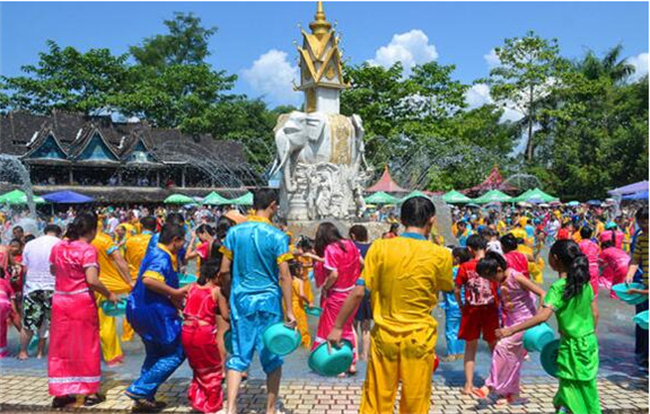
<point>478,291</point>
<point>518,261</point>
<point>563,234</point>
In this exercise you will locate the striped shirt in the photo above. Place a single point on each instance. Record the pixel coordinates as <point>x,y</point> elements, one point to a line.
<point>640,255</point>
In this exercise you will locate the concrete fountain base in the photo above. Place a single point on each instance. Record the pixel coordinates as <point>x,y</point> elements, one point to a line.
<point>308,228</point>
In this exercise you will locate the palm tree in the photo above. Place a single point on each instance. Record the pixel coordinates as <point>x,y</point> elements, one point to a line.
<point>610,66</point>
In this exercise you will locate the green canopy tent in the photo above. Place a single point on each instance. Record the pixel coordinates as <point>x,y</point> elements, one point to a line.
<point>19,198</point>
<point>179,199</point>
<point>215,199</point>
<point>245,200</point>
<point>455,197</point>
<point>535,194</point>
<point>412,194</point>
<point>381,197</point>
<point>493,195</point>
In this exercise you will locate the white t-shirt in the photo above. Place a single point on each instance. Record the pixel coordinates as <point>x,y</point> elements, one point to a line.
<point>113,222</point>
<point>494,246</point>
<point>36,258</point>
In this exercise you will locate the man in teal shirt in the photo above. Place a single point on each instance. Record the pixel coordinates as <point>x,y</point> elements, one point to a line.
<point>259,255</point>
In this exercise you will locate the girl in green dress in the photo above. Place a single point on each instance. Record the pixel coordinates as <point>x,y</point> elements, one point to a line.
<point>572,299</point>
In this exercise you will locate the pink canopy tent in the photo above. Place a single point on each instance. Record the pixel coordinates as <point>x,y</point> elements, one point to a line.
<point>386,184</point>
<point>494,181</point>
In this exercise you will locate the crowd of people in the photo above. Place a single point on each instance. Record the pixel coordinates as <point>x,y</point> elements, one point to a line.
<point>377,295</point>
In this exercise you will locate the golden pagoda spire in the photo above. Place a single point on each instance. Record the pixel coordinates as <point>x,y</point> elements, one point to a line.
<point>320,26</point>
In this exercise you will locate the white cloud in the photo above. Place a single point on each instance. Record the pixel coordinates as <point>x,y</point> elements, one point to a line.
<point>478,95</point>
<point>410,48</point>
<point>492,59</point>
<point>640,63</point>
<point>272,75</point>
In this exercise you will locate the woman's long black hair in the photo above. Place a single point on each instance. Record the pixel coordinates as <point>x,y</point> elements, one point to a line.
<point>326,234</point>
<point>576,264</point>
<point>82,225</point>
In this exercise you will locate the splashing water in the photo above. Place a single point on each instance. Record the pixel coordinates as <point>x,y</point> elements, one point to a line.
<point>13,171</point>
<point>523,181</point>
<point>222,173</point>
<point>443,220</point>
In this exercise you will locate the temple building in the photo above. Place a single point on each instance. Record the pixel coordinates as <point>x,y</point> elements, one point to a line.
<point>68,150</point>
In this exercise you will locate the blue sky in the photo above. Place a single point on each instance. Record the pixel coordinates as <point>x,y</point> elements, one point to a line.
<point>255,38</point>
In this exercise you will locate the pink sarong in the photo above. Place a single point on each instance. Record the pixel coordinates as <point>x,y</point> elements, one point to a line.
<point>508,356</point>
<point>614,263</point>
<point>6,311</point>
<point>591,250</point>
<point>74,356</point>
<point>342,257</point>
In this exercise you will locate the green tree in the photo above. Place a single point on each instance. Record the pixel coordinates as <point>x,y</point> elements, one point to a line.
<point>171,85</point>
<point>67,79</point>
<point>175,96</point>
<point>595,133</point>
<point>185,44</point>
<point>529,70</point>
<point>610,65</point>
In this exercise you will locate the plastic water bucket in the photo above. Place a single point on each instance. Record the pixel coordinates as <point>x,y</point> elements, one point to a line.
<point>280,339</point>
<point>641,319</point>
<point>315,311</point>
<point>184,280</point>
<point>548,357</point>
<point>535,338</point>
<point>227,340</point>
<point>331,364</point>
<point>111,309</point>
<point>629,298</point>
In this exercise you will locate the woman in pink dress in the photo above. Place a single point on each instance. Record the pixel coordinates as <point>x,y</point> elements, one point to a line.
<point>516,260</point>
<point>614,263</point>
<point>611,233</point>
<point>341,268</point>
<point>518,305</point>
<point>7,311</point>
<point>591,250</point>
<point>74,365</point>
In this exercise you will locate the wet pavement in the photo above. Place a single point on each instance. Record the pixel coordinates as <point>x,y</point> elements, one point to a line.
<point>618,370</point>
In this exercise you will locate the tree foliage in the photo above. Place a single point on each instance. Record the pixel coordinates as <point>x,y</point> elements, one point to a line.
<point>185,44</point>
<point>67,79</point>
<point>529,71</point>
<point>587,123</point>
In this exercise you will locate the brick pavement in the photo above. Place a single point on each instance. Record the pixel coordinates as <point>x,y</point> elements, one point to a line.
<point>618,394</point>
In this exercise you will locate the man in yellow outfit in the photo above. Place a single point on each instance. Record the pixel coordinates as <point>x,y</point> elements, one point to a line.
<point>114,274</point>
<point>404,275</point>
<point>134,251</point>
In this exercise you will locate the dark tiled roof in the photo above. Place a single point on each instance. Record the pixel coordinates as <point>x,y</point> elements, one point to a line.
<point>21,131</point>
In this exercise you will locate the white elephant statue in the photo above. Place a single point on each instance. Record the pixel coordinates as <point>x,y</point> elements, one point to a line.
<point>313,138</point>
<point>310,144</point>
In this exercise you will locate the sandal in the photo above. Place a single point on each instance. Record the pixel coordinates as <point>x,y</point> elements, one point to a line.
<point>61,402</point>
<point>94,399</point>
<point>480,393</point>
<point>148,406</point>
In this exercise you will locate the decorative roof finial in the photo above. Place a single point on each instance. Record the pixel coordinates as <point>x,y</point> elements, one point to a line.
<point>320,25</point>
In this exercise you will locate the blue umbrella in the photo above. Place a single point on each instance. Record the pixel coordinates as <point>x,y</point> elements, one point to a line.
<point>594,203</point>
<point>67,197</point>
<point>573,203</point>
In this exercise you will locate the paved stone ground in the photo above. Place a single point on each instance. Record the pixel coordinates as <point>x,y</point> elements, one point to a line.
<point>618,395</point>
<point>623,386</point>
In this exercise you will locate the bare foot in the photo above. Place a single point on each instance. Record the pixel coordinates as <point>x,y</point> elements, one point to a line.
<point>39,356</point>
<point>467,391</point>
<point>22,356</point>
